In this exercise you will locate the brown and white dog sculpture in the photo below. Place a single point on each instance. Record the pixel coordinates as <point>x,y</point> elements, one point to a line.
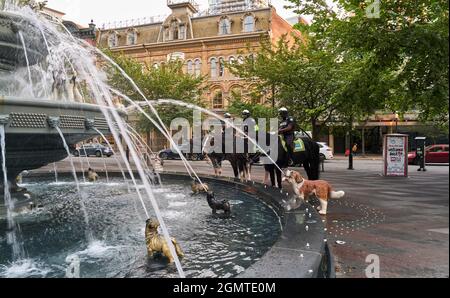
<point>304,188</point>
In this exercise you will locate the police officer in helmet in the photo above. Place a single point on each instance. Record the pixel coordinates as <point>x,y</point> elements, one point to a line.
<point>287,129</point>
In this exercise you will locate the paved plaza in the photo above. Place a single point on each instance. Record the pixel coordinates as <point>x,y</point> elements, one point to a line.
<point>403,221</point>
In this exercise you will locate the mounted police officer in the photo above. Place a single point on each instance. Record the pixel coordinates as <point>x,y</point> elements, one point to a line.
<point>287,130</point>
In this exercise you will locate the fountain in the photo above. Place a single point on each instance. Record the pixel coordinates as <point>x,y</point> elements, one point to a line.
<point>96,229</point>
<point>32,140</point>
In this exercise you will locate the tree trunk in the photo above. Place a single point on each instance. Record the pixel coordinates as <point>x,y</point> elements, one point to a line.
<point>316,129</point>
<point>273,96</point>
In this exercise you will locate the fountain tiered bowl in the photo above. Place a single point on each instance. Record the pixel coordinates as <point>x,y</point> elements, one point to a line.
<point>32,140</point>
<point>12,53</point>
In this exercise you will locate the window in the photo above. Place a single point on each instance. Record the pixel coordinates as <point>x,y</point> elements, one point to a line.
<point>249,24</point>
<point>132,38</point>
<point>218,100</point>
<point>198,67</point>
<point>113,40</point>
<point>190,67</point>
<point>174,30</point>
<point>435,149</point>
<point>182,32</point>
<point>166,34</point>
<point>224,26</point>
<point>241,60</point>
<point>221,67</point>
<point>155,65</point>
<point>213,67</point>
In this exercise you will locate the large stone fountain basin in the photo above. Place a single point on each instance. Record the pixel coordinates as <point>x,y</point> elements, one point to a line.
<point>31,138</point>
<point>296,252</point>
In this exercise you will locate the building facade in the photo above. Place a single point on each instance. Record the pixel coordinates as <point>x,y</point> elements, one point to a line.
<point>203,40</point>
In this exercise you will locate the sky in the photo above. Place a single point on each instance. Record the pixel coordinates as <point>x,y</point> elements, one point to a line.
<point>105,11</point>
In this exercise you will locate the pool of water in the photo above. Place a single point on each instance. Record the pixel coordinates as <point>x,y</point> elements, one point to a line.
<point>55,239</point>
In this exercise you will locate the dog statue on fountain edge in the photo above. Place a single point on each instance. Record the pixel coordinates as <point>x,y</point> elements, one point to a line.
<point>218,205</point>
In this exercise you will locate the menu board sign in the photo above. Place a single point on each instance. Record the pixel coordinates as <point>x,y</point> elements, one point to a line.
<point>396,155</point>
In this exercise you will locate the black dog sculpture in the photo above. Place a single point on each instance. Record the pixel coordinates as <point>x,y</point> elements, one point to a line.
<point>218,205</point>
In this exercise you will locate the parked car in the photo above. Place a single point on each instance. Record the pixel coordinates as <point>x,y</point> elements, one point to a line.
<point>166,154</point>
<point>93,150</point>
<point>325,151</point>
<point>433,154</point>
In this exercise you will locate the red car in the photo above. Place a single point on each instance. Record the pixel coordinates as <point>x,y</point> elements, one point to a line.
<point>433,154</point>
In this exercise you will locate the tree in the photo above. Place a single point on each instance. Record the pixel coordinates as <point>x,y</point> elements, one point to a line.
<point>167,81</point>
<point>305,79</point>
<point>400,49</point>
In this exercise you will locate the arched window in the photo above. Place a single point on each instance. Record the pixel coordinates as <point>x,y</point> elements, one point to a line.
<point>113,40</point>
<point>224,26</point>
<point>190,67</point>
<point>218,100</point>
<point>232,60</point>
<point>221,67</point>
<point>213,67</point>
<point>241,60</point>
<point>155,65</point>
<point>198,67</point>
<point>249,23</point>
<point>131,37</point>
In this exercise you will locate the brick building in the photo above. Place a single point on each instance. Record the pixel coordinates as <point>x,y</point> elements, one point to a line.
<point>203,40</point>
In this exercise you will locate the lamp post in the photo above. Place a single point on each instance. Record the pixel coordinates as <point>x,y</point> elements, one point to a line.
<point>350,141</point>
<point>396,119</point>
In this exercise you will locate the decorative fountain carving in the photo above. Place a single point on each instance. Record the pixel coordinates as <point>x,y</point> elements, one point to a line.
<point>30,124</point>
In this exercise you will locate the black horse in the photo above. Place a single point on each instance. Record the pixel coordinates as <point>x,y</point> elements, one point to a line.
<point>240,162</point>
<point>309,158</point>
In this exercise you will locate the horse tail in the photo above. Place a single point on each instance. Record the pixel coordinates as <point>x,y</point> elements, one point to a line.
<point>315,160</point>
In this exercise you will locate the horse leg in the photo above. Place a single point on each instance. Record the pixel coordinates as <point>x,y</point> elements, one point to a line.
<point>249,171</point>
<point>308,171</point>
<point>279,178</point>
<point>235,169</point>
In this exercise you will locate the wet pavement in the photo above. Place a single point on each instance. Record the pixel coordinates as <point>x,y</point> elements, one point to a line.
<point>403,221</point>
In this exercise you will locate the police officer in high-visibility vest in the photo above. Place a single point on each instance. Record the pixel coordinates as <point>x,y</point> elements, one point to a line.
<point>287,130</point>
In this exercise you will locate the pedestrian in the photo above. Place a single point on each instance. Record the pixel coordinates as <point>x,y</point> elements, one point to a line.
<point>355,149</point>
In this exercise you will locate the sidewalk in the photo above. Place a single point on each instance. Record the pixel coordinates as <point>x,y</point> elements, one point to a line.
<point>359,157</point>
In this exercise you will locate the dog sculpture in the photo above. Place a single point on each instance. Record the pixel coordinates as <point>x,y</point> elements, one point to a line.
<point>92,175</point>
<point>218,205</point>
<point>199,188</point>
<point>156,243</point>
<point>304,188</point>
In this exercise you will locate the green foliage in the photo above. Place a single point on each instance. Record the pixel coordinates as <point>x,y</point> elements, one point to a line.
<point>400,56</point>
<point>166,82</point>
<point>304,78</point>
<point>257,110</point>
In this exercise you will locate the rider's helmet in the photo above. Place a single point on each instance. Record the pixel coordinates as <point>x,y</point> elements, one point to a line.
<point>227,116</point>
<point>245,114</point>
<point>284,113</point>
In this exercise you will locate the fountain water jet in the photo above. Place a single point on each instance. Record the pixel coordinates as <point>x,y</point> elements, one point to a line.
<point>12,235</point>
<point>89,235</point>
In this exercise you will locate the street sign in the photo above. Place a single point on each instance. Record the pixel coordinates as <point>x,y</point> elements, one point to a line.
<point>395,155</point>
